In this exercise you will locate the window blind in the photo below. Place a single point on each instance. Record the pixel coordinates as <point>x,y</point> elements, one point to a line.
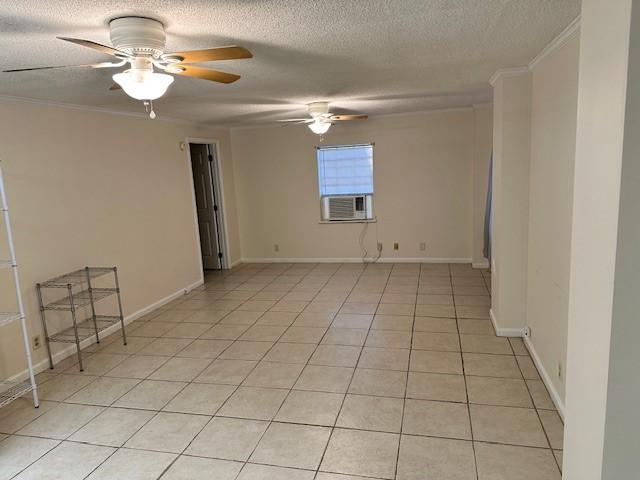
<point>345,170</point>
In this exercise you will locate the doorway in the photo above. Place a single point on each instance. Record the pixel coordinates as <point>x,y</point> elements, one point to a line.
<point>208,203</point>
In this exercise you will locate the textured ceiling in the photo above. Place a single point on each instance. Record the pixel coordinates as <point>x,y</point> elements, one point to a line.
<point>371,56</point>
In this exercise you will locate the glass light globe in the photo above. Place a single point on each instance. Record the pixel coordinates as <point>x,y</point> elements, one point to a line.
<point>319,127</point>
<point>143,84</point>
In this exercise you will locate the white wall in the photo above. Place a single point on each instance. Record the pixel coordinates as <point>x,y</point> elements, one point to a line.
<point>92,188</point>
<point>423,188</point>
<point>553,127</point>
<point>510,199</point>
<point>602,91</point>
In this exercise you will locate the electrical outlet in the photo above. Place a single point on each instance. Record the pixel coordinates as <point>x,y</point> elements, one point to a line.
<point>396,246</point>
<point>423,246</point>
<point>276,247</point>
<point>559,369</point>
<point>379,246</point>
<point>36,342</point>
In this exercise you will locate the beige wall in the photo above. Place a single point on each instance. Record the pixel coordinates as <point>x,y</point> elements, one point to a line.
<point>553,128</point>
<point>423,189</point>
<point>602,91</point>
<point>510,199</point>
<point>100,189</point>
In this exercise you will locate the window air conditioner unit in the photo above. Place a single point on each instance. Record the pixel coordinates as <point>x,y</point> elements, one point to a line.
<point>346,207</point>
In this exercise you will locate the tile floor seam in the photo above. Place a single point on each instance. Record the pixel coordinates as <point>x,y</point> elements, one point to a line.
<point>466,389</point>
<point>406,386</point>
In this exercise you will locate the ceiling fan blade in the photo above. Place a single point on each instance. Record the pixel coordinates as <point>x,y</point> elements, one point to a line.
<point>115,86</point>
<point>210,54</point>
<point>92,65</point>
<point>206,74</point>
<point>341,118</point>
<point>96,46</point>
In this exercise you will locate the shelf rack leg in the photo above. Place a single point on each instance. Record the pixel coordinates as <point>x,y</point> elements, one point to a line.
<point>44,324</point>
<point>4,206</point>
<point>75,325</point>
<point>93,308</point>
<point>115,274</point>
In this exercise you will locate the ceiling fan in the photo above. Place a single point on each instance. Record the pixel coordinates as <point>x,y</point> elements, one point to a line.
<point>140,42</point>
<point>321,119</point>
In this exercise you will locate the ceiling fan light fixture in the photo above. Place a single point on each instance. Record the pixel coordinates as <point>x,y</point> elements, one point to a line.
<point>319,127</point>
<point>143,84</point>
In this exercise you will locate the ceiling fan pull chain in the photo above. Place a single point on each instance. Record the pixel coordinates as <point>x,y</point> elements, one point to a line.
<point>148,106</point>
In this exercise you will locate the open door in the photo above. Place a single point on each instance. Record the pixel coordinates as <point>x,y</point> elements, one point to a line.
<point>204,168</point>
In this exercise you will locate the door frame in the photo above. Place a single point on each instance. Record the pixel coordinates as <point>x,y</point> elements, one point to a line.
<point>222,217</point>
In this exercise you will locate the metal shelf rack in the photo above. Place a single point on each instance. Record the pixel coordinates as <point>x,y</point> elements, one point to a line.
<point>10,390</point>
<point>80,293</point>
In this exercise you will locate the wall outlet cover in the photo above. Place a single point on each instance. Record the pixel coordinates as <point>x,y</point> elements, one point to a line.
<point>276,247</point>
<point>396,246</point>
<point>423,246</point>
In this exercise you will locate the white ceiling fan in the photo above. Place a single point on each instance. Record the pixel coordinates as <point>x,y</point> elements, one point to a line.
<point>140,42</point>
<point>321,119</point>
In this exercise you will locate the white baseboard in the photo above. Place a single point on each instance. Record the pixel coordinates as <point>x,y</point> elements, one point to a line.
<point>357,260</point>
<point>555,395</point>
<point>235,263</point>
<point>482,264</point>
<point>43,365</point>
<point>504,332</point>
<point>520,332</point>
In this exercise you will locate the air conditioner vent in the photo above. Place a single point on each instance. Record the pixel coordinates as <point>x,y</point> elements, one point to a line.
<point>346,207</point>
<point>341,207</point>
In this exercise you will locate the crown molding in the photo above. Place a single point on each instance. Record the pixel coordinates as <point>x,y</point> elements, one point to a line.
<point>508,72</point>
<point>557,42</point>
<point>87,108</point>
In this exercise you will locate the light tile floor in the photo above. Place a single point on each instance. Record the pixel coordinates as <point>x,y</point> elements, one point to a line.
<point>305,371</point>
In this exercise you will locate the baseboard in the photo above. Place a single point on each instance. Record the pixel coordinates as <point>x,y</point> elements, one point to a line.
<point>357,260</point>
<point>235,263</point>
<point>43,365</point>
<point>555,395</point>
<point>504,332</point>
<point>482,264</point>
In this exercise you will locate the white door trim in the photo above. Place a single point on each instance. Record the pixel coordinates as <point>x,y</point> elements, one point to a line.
<point>218,170</point>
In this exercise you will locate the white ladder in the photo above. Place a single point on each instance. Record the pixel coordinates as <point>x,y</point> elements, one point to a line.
<point>10,389</point>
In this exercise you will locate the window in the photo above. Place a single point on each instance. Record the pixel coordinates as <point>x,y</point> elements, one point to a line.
<point>345,180</point>
<point>345,170</point>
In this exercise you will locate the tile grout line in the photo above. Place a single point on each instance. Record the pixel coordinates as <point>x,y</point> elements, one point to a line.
<point>466,389</point>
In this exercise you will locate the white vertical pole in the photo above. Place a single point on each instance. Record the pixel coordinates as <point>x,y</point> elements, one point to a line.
<point>14,268</point>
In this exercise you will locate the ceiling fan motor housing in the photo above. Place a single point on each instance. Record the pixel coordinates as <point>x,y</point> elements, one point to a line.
<point>318,109</point>
<point>138,36</point>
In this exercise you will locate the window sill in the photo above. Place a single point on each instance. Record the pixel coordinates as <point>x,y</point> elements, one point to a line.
<point>338,222</point>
